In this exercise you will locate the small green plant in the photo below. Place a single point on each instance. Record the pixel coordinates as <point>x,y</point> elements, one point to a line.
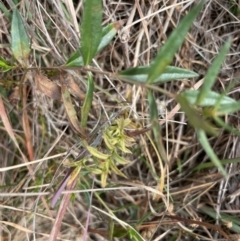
<point>115,143</point>
<point>104,149</point>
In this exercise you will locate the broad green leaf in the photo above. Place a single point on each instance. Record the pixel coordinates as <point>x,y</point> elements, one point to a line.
<point>210,100</point>
<point>88,101</point>
<point>108,34</point>
<point>20,43</point>
<point>202,138</point>
<point>166,54</point>
<point>193,117</point>
<point>91,29</point>
<point>226,109</point>
<point>212,73</point>
<point>140,74</point>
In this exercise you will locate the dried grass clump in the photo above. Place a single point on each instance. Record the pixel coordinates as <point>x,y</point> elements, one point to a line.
<point>42,129</point>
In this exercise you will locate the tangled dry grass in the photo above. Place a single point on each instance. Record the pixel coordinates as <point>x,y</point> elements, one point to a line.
<point>40,124</point>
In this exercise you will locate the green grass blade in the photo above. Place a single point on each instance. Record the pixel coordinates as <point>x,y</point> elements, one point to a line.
<point>140,74</point>
<point>88,101</point>
<point>202,138</point>
<point>211,99</point>
<point>213,72</point>
<point>166,54</point>
<point>224,218</point>
<point>91,29</point>
<point>194,118</point>
<point>108,34</point>
<point>155,125</point>
<point>20,44</point>
<point>210,164</point>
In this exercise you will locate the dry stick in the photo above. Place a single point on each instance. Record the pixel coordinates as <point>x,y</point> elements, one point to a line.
<point>209,225</point>
<point>61,212</point>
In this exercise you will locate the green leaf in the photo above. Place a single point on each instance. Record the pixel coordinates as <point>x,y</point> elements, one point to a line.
<point>4,66</point>
<point>108,34</point>
<point>166,54</point>
<point>75,59</point>
<point>93,151</point>
<point>91,29</point>
<point>212,73</point>
<point>5,10</point>
<point>134,235</point>
<point>155,124</point>
<point>20,43</point>
<point>88,101</point>
<point>210,100</point>
<point>223,162</point>
<point>202,138</point>
<point>226,109</point>
<point>140,74</point>
<point>235,223</point>
<point>193,117</point>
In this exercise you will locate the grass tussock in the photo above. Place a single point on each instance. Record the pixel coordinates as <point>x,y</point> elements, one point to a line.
<point>129,177</point>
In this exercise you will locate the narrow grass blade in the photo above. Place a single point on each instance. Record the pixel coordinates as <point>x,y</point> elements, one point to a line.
<point>20,43</point>
<point>134,235</point>
<point>88,101</point>
<point>91,29</point>
<point>154,116</point>
<point>202,138</point>
<point>210,164</point>
<point>213,72</point>
<point>155,125</point>
<point>193,117</point>
<point>224,218</point>
<point>166,54</point>
<point>5,10</point>
<point>140,74</point>
<point>108,33</point>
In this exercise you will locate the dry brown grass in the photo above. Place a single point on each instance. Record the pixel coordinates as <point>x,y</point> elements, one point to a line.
<point>41,126</point>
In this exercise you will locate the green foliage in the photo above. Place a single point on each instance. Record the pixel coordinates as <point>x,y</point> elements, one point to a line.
<point>4,66</point>
<point>88,101</point>
<point>140,74</point>
<point>91,29</point>
<point>108,34</point>
<point>234,223</point>
<point>212,73</point>
<point>175,40</point>
<point>20,44</point>
<point>116,143</point>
